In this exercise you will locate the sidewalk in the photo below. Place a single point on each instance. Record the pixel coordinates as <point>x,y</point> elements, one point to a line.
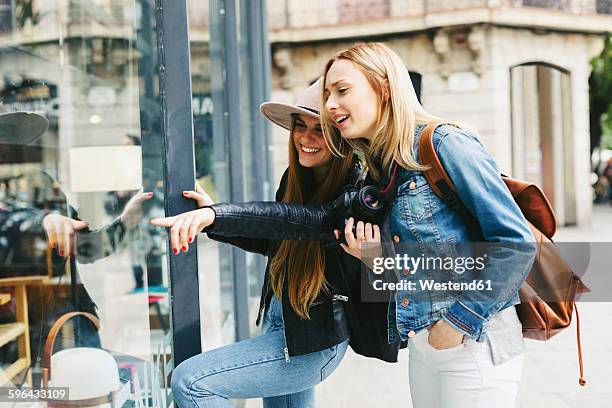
<point>550,372</point>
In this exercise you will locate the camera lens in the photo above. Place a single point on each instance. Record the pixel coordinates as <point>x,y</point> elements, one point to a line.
<point>371,201</point>
<point>369,204</point>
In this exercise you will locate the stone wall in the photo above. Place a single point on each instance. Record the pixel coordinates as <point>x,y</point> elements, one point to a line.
<point>466,77</point>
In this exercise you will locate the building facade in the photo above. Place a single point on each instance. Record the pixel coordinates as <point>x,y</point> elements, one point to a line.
<point>516,70</point>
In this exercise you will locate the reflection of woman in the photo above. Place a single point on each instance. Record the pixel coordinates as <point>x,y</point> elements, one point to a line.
<point>17,131</point>
<point>61,224</point>
<point>305,334</point>
<point>463,353</point>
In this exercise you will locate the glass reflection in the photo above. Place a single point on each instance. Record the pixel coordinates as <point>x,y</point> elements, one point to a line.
<point>75,203</point>
<point>215,264</point>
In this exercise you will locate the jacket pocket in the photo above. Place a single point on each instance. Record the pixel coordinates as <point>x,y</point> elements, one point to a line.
<point>416,199</point>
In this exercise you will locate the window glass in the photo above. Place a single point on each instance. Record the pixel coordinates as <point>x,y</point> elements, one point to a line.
<point>89,70</point>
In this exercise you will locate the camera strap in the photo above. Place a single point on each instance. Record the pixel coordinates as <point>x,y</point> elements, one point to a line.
<point>390,189</point>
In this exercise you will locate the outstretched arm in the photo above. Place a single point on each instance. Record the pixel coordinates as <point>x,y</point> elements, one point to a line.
<point>256,220</point>
<point>273,220</point>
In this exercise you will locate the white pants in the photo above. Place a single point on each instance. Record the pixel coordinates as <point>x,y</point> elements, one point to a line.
<point>460,377</point>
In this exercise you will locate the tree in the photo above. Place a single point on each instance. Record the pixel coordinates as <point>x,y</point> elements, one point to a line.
<point>600,97</point>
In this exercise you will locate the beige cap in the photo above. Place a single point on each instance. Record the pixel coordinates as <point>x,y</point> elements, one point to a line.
<point>307,104</point>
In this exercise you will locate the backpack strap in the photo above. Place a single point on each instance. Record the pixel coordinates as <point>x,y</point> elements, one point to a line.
<point>444,188</point>
<point>436,176</point>
<point>581,380</point>
<point>438,179</point>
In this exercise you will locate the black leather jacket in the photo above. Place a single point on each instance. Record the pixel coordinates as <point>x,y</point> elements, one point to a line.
<point>260,226</point>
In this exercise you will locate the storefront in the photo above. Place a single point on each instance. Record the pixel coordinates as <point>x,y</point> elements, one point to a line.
<point>142,96</point>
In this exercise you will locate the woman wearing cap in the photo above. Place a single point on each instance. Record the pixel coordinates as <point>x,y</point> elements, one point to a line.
<point>305,335</point>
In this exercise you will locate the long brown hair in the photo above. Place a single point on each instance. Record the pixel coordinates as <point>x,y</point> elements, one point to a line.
<point>302,263</point>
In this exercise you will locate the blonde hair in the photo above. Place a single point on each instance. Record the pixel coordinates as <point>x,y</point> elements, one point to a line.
<point>302,263</point>
<point>399,109</point>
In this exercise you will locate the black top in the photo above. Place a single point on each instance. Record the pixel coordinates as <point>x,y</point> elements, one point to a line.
<point>271,222</point>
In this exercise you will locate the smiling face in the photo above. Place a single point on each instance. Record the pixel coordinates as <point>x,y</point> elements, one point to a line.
<point>309,142</point>
<point>350,100</point>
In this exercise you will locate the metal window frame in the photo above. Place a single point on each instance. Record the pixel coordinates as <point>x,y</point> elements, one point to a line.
<point>178,145</point>
<point>259,82</point>
<point>259,62</point>
<point>179,168</point>
<point>225,31</point>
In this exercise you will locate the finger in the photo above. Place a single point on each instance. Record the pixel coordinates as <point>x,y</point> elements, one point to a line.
<point>202,219</point>
<point>359,231</point>
<point>174,236</point>
<point>59,233</point>
<point>163,222</point>
<point>66,239</point>
<point>184,233</point>
<point>348,233</point>
<point>368,234</point>
<point>72,243</point>
<point>376,231</point>
<point>140,198</point>
<point>78,225</point>
<point>51,235</point>
<point>337,234</point>
<point>195,196</point>
<point>193,231</point>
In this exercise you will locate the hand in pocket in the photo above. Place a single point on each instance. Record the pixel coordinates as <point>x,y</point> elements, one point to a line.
<point>443,336</point>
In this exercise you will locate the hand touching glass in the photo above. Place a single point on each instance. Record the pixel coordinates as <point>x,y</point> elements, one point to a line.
<point>185,226</point>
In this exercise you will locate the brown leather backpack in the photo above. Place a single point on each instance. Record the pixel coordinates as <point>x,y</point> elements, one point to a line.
<point>547,295</point>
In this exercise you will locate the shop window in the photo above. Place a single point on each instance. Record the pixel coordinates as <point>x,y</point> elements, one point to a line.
<point>542,135</point>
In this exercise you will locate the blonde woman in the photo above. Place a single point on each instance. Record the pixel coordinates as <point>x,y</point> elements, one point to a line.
<point>465,348</point>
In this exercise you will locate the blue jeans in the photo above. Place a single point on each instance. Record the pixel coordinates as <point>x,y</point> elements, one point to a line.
<point>255,368</point>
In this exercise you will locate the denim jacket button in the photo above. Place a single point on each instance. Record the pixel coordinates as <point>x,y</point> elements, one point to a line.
<point>396,238</point>
<point>411,333</point>
<point>412,185</point>
<point>406,272</point>
<point>405,302</point>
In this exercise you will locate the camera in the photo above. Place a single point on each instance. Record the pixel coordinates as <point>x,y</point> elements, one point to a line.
<point>367,204</point>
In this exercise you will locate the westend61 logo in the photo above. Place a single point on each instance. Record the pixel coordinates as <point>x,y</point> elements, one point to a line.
<point>479,271</point>
<point>458,265</point>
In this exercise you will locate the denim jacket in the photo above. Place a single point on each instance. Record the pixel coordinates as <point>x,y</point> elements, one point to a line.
<point>418,216</point>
